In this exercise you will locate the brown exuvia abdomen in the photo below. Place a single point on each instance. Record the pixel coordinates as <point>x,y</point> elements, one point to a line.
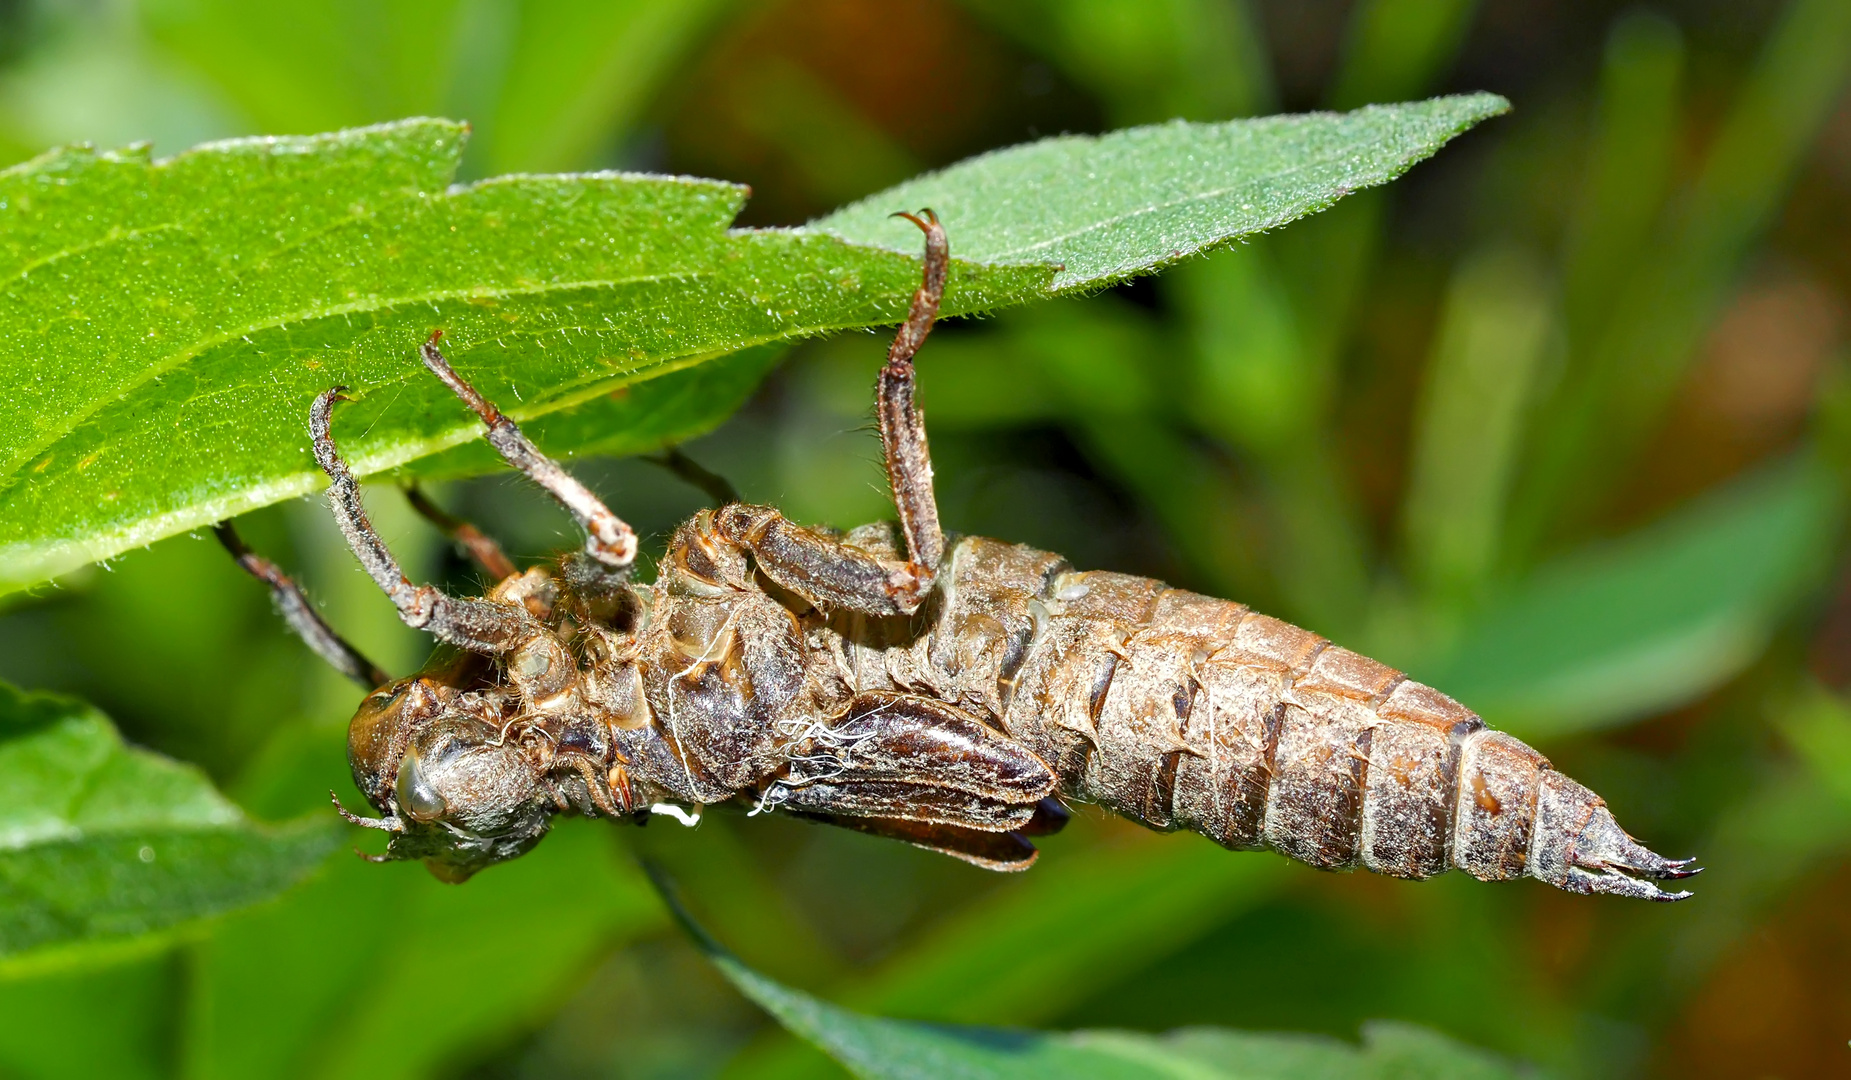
<point>1183,711</point>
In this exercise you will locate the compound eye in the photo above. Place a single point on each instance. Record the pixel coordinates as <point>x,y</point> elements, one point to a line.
<point>385,695</point>
<point>416,797</point>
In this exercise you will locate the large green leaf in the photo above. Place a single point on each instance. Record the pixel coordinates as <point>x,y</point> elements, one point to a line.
<point>1654,619</point>
<point>101,844</point>
<point>878,1047</point>
<point>168,322</point>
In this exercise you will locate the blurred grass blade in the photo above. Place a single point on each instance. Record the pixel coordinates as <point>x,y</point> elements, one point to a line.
<point>1495,330</point>
<point>1110,207</point>
<point>1818,726</point>
<point>1258,390</point>
<point>298,68</point>
<point>102,844</point>
<point>902,1050</point>
<point>578,73</point>
<point>546,82</point>
<point>1652,620</point>
<point>1609,405</point>
<point>1395,49</point>
<point>1629,167</point>
<point>1105,911</point>
<point>1263,388</point>
<point>1093,917</point>
<point>1149,59</point>
<point>839,152</point>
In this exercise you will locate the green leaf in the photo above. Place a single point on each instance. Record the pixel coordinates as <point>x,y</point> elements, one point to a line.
<point>89,1021</point>
<point>168,322</point>
<point>1109,207</point>
<point>1654,619</point>
<point>102,844</point>
<point>871,1046</point>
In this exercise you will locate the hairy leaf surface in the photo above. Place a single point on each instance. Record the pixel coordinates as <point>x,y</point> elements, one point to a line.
<point>1111,207</point>
<point>101,842</point>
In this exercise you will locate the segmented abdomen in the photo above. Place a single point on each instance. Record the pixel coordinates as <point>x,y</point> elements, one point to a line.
<point>1183,711</point>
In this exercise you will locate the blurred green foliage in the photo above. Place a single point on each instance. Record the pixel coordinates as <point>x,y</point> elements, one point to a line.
<point>1561,418</point>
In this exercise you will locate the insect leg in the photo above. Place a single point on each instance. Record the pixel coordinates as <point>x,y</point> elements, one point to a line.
<point>710,483</point>
<point>903,436</point>
<point>608,540</point>
<point>481,546</point>
<point>476,625</point>
<point>300,614</point>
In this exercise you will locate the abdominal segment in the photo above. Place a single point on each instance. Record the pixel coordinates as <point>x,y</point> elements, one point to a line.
<point>1181,711</point>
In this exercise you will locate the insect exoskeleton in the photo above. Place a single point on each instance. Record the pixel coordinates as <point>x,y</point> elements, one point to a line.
<point>951,695</point>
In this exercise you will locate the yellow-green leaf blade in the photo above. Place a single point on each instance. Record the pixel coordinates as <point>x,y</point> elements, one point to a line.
<point>1113,206</point>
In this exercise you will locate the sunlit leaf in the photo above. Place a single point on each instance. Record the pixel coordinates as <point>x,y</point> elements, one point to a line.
<point>168,323</point>
<point>101,844</point>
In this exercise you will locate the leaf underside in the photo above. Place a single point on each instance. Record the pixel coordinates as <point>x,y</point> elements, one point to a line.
<point>168,322</point>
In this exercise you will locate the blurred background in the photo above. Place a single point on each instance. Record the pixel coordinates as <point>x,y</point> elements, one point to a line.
<point>1558,423</point>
